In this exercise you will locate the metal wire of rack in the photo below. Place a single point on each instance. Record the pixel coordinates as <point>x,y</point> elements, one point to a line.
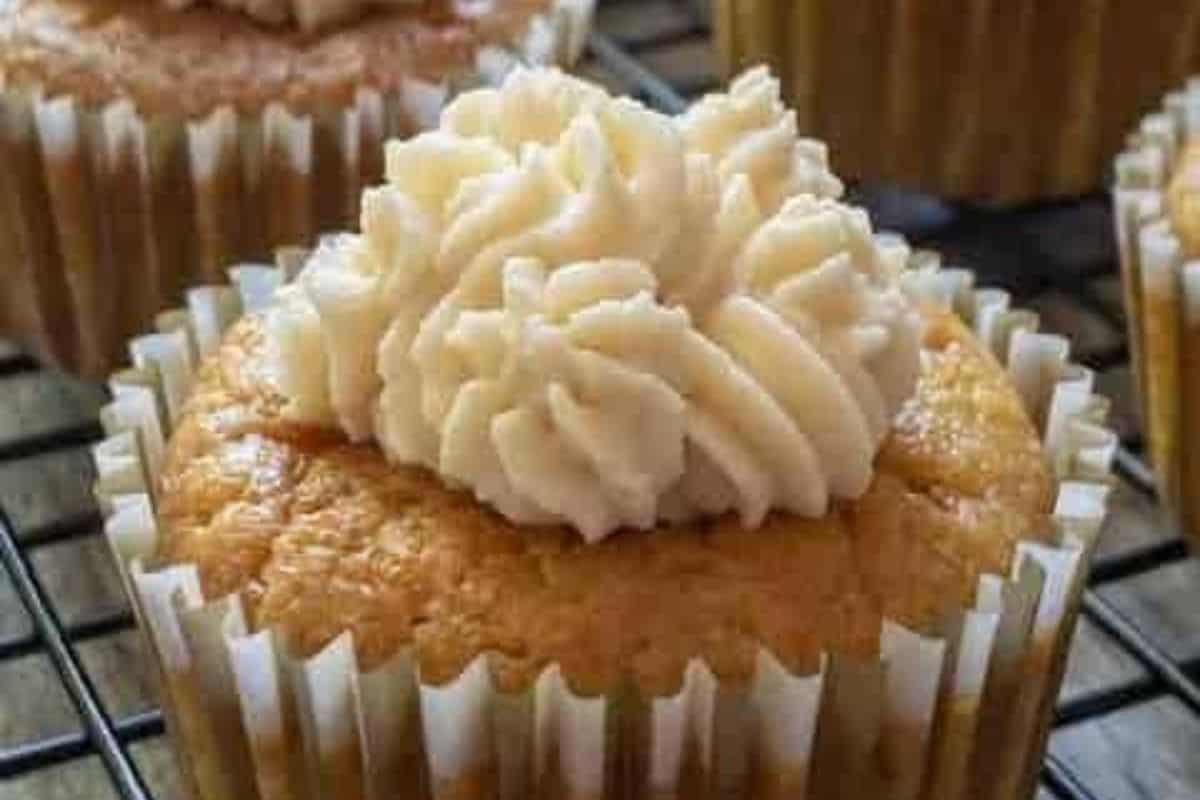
<point>110,738</point>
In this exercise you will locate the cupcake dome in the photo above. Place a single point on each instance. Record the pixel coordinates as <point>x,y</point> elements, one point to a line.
<point>508,276</point>
<point>323,537</point>
<point>151,146</point>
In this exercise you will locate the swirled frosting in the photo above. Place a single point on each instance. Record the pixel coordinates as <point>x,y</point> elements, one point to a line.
<point>748,131</point>
<point>586,312</point>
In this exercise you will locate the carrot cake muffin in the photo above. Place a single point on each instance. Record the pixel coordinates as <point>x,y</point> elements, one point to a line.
<point>628,416</point>
<point>153,143</point>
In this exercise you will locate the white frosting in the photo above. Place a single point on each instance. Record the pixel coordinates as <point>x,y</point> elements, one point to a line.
<point>582,311</point>
<point>748,131</point>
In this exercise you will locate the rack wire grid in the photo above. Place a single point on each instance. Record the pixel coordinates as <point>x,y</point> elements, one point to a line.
<point>626,59</point>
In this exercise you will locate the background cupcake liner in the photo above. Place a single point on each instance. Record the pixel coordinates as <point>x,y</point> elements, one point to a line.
<point>1161,287</point>
<point>106,214</point>
<point>955,712</point>
<point>996,100</point>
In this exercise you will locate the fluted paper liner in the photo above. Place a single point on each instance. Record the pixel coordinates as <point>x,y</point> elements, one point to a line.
<point>1161,286</point>
<point>107,213</point>
<point>960,711</point>
<point>995,101</point>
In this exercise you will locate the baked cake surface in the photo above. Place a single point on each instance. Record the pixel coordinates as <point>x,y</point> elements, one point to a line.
<point>202,58</point>
<point>321,536</point>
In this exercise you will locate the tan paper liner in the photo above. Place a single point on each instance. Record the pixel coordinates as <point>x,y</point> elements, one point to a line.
<point>995,100</point>
<point>957,712</point>
<point>107,214</point>
<point>1161,289</point>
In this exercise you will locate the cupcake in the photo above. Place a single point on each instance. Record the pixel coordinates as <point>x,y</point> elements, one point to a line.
<point>150,144</point>
<point>613,457</point>
<point>1156,207</point>
<point>994,102</point>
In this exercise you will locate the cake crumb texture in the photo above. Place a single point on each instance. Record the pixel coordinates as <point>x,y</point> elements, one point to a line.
<point>321,536</point>
<point>193,61</point>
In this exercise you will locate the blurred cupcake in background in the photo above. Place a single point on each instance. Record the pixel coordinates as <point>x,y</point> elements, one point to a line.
<point>1000,102</point>
<point>1156,207</point>
<point>149,144</point>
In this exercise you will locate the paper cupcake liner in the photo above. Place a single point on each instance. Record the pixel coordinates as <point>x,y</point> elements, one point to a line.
<point>960,711</point>
<point>107,214</point>
<point>1161,286</point>
<point>987,100</point>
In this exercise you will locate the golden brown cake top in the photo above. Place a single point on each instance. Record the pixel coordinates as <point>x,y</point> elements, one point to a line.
<point>193,61</point>
<point>321,536</point>
<point>1183,199</point>
<point>308,15</point>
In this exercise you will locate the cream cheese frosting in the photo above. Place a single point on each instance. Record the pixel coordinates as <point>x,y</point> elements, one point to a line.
<point>587,312</point>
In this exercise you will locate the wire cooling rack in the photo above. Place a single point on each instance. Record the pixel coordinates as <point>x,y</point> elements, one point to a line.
<point>625,58</point>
